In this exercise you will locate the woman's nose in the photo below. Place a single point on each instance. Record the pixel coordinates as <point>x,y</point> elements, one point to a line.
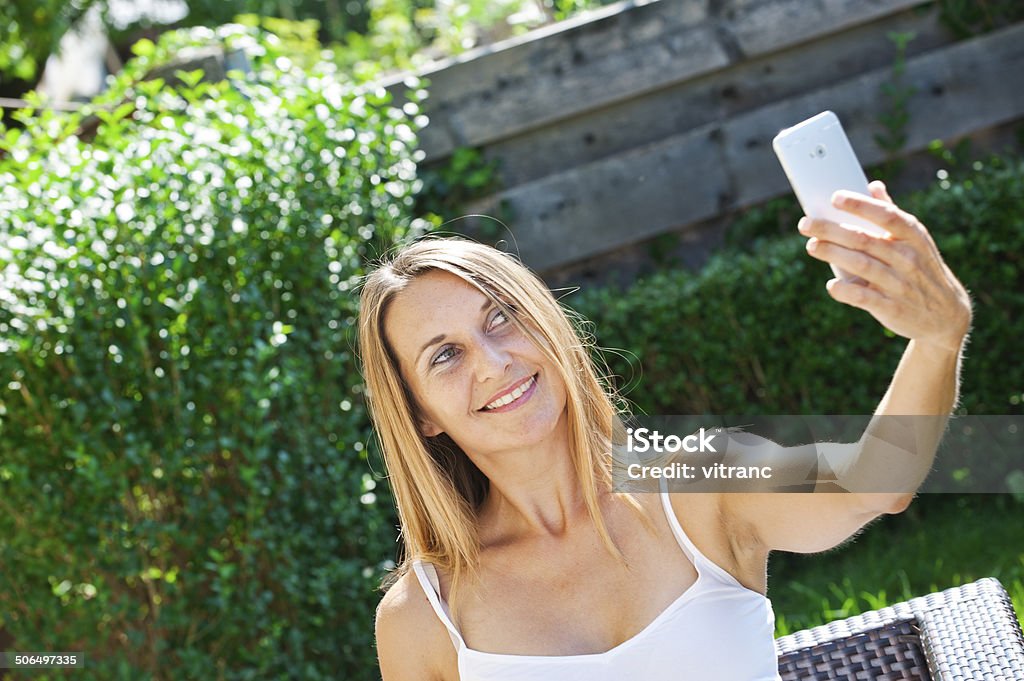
<point>493,360</point>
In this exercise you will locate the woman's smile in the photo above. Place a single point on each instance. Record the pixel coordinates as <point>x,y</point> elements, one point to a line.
<point>512,399</point>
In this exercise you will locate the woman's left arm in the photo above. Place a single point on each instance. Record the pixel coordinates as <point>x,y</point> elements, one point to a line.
<point>903,282</point>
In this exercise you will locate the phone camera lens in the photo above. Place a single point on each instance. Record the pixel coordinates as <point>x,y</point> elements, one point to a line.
<point>819,151</point>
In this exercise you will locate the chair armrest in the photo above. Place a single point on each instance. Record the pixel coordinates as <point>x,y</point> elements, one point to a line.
<point>960,634</point>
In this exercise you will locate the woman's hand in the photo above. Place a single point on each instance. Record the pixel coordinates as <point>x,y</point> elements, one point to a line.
<point>900,279</point>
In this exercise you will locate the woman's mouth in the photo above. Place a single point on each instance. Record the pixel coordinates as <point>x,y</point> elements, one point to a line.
<point>513,399</point>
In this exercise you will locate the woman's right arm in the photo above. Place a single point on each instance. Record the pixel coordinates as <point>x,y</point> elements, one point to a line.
<point>412,644</point>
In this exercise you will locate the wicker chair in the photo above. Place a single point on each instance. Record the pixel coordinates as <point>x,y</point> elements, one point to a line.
<point>968,633</point>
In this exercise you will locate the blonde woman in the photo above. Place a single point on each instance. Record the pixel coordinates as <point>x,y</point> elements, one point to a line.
<point>521,562</point>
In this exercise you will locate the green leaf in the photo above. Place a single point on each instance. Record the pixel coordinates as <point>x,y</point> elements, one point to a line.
<point>189,78</point>
<point>143,48</point>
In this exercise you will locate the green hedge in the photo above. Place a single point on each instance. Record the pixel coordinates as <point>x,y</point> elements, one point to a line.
<point>184,487</point>
<point>757,333</point>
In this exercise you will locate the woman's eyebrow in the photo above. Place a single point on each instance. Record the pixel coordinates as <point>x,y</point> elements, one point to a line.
<point>432,341</point>
<point>440,337</point>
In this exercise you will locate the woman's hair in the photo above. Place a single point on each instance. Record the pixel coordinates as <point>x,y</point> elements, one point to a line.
<point>437,488</point>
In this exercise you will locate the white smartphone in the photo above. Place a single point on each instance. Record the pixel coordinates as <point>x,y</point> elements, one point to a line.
<point>818,161</point>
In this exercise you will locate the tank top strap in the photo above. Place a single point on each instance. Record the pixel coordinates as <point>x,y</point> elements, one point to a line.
<point>427,574</point>
<point>700,562</point>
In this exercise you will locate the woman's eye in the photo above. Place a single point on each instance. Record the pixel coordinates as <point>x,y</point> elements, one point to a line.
<point>444,355</point>
<point>498,319</point>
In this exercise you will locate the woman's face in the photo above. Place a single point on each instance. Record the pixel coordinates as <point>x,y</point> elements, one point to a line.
<point>474,375</point>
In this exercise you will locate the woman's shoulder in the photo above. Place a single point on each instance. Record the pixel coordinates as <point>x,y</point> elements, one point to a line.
<point>411,640</point>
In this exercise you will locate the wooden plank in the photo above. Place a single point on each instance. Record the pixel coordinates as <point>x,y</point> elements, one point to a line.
<point>763,26</point>
<point>559,73</point>
<point>559,91</point>
<point>741,87</point>
<point>575,214</point>
<point>696,175</point>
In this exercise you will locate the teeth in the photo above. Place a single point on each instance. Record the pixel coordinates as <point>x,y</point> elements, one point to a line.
<point>512,396</point>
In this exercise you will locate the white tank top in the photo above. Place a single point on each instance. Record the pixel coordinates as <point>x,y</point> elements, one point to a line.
<point>716,630</point>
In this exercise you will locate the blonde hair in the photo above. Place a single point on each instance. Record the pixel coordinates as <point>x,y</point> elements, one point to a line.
<point>436,487</point>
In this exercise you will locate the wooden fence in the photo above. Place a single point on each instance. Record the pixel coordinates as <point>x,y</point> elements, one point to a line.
<point>653,117</point>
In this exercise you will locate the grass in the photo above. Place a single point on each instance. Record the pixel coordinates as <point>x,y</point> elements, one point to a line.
<point>941,541</point>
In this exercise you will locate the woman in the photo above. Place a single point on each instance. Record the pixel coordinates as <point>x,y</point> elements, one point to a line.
<point>521,562</point>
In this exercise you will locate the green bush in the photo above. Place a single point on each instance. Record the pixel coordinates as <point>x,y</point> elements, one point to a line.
<point>184,487</point>
<point>756,333</point>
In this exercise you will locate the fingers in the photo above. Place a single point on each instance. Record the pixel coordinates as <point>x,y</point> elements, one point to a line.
<point>860,296</point>
<point>880,210</point>
<point>874,272</point>
<point>824,234</point>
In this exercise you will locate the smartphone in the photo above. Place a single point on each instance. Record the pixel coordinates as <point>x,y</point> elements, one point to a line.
<point>818,161</point>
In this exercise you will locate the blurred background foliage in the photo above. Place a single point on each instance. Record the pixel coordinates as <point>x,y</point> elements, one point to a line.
<point>365,37</point>
<point>185,485</point>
